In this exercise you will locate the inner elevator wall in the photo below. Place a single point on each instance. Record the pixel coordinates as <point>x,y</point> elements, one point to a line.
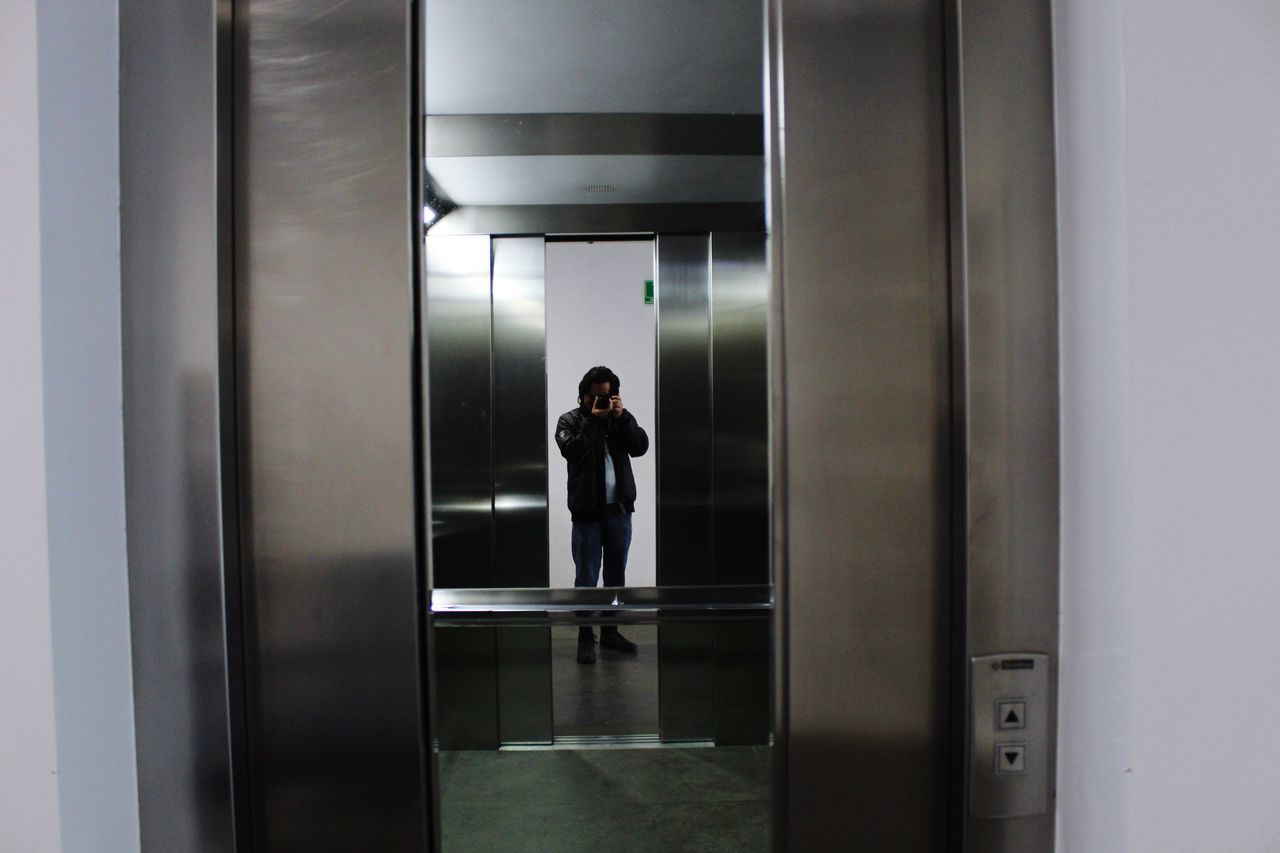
<point>487,343</point>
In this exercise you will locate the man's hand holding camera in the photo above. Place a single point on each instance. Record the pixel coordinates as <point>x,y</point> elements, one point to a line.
<point>607,406</point>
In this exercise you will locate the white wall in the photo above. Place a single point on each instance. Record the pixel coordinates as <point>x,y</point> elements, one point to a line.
<point>84,441</point>
<point>1169,195</point>
<point>66,714</point>
<point>1093,707</point>
<point>28,748</point>
<point>587,285</point>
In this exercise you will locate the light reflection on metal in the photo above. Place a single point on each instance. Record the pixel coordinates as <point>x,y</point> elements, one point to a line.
<point>740,419</point>
<point>518,365</point>
<point>518,502</point>
<point>684,409</point>
<point>533,600</point>
<point>458,383</point>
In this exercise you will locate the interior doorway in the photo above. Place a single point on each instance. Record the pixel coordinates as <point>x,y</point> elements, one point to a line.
<point>599,311</point>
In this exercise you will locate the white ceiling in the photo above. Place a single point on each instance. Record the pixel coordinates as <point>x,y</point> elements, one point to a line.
<point>617,56</point>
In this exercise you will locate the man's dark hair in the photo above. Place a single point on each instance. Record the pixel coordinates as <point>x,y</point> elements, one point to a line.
<point>598,374</point>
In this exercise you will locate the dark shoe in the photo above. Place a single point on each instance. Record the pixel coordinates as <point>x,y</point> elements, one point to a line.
<point>618,643</point>
<point>586,648</point>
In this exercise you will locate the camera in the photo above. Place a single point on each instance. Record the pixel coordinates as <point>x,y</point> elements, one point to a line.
<point>602,402</point>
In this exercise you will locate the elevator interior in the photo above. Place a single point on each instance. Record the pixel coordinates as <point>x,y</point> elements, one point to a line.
<point>594,195</point>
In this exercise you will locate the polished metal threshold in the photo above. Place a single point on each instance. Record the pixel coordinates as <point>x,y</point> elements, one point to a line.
<point>640,741</point>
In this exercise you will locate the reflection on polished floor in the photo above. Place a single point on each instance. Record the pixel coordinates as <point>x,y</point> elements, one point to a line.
<point>616,696</point>
<point>597,794</point>
<point>686,799</point>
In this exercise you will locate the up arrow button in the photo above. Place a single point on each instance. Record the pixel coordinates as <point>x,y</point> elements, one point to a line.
<point>1011,714</point>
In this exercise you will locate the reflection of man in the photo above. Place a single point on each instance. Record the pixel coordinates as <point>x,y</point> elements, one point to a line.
<point>598,440</point>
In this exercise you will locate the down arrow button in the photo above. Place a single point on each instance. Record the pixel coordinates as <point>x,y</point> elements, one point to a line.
<point>1010,757</point>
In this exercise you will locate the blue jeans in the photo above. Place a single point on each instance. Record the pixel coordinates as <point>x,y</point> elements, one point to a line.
<point>610,539</point>
<point>607,541</point>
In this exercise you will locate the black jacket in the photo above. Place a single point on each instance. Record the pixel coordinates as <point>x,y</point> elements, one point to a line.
<point>581,439</point>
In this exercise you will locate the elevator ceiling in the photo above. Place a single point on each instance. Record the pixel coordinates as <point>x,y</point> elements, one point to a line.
<point>593,56</point>
<point>660,74</point>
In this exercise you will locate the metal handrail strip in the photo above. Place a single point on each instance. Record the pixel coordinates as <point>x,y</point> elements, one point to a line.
<point>533,619</point>
<point>602,599</point>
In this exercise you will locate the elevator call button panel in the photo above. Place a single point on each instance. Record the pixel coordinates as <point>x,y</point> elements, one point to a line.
<point>1009,735</point>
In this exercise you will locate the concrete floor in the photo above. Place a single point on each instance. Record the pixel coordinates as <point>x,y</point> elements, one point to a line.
<point>673,799</point>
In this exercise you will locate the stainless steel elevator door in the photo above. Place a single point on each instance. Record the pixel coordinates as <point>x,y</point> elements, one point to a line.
<point>324,331</point>
<point>861,333</point>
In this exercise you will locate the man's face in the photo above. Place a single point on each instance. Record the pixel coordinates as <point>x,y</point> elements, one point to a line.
<point>598,390</point>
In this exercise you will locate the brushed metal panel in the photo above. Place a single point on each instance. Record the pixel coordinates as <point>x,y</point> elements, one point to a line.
<point>600,218</point>
<point>684,410</point>
<point>861,345</point>
<point>740,394</point>
<point>465,666</point>
<point>1006,270</point>
<point>780,751</point>
<point>524,685</point>
<point>740,477</point>
<point>459,324</point>
<point>475,135</point>
<point>595,180</point>
<point>173,280</point>
<point>520,546</point>
<point>686,653</point>
<point>324,320</point>
<point>742,675</point>
<point>459,342</point>
<point>520,555</point>
<point>686,682</point>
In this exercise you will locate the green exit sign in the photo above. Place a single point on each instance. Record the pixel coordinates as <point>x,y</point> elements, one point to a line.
<point>648,291</point>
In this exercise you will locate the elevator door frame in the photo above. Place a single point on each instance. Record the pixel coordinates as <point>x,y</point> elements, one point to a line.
<point>183,103</point>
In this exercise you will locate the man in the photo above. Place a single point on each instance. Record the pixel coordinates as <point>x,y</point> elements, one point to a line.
<point>598,439</point>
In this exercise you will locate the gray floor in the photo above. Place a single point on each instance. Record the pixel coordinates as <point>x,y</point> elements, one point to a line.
<point>618,695</point>
<point>606,800</point>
